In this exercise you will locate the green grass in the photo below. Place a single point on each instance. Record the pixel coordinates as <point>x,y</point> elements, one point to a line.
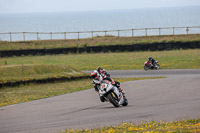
<point>97,41</point>
<point>28,72</point>
<point>184,126</point>
<point>24,93</point>
<point>16,68</point>
<point>175,59</point>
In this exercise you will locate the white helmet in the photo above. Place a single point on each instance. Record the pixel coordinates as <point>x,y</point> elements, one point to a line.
<point>95,74</point>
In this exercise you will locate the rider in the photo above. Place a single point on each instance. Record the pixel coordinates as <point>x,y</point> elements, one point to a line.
<point>100,75</point>
<point>152,61</point>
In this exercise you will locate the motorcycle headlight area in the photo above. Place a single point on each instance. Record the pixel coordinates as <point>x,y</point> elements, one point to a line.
<point>104,86</point>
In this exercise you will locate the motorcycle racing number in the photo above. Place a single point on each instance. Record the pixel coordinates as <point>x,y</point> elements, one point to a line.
<point>103,85</point>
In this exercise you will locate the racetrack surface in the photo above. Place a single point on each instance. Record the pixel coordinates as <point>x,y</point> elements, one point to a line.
<point>176,97</point>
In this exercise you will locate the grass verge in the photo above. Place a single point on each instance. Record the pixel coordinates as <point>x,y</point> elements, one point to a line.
<point>30,72</point>
<point>184,126</point>
<point>175,59</point>
<point>97,41</point>
<point>14,95</point>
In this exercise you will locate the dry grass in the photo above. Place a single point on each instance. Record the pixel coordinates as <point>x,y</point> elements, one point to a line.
<point>31,71</point>
<point>184,126</point>
<point>97,41</point>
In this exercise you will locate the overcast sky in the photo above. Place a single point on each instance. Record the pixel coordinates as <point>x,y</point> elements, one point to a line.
<point>27,6</point>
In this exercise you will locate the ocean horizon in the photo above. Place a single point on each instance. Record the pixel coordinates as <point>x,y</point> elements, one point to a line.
<point>98,21</point>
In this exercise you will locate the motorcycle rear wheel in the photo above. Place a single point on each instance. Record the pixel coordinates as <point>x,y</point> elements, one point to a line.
<point>146,67</point>
<point>113,99</point>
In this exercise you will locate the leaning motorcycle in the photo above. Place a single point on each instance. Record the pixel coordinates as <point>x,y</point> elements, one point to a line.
<point>148,65</point>
<point>112,94</point>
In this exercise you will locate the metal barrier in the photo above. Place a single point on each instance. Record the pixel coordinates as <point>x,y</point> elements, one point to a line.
<point>26,36</point>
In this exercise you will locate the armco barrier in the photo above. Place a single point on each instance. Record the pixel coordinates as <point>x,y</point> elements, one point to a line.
<point>109,48</point>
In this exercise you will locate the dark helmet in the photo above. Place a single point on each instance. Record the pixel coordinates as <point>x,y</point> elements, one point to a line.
<point>149,58</point>
<point>95,74</point>
<point>99,69</point>
<point>102,71</point>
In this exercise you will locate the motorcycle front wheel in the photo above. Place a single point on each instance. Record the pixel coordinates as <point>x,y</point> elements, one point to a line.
<point>125,102</point>
<point>113,99</point>
<point>157,66</point>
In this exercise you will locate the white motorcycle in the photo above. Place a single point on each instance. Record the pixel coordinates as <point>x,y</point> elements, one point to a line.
<point>112,94</point>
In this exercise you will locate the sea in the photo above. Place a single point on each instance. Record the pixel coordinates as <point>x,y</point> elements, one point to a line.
<point>99,22</point>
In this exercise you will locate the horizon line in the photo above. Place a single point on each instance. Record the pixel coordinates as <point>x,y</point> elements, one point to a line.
<point>98,10</point>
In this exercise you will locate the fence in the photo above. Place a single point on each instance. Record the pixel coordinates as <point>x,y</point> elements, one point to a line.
<point>26,36</point>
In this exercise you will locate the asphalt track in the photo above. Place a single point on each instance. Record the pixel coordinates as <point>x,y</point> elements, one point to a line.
<point>176,97</point>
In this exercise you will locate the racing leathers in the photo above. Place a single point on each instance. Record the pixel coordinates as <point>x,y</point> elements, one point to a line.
<point>100,75</point>
<point>152,61</point>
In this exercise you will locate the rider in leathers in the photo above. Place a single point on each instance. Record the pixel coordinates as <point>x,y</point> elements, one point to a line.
<point>100,75</point>
<point>152,61</point>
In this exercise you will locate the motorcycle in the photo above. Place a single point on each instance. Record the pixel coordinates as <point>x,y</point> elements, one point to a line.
<point>148,65</point>
<point>112,94</point>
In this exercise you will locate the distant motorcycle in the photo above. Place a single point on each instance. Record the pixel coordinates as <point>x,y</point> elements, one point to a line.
<point>148,65</point>
<point>112,94</point>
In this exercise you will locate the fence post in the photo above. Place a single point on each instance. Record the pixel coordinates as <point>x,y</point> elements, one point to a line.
<point>51,35</point>
<point>10,37</point>
<point>105,33</point>
<point>78,35</point>
<point>65,36</point>
<point>187,30</point>
<point>173,31</point>
<point>37,36</point>
<point>92,35</point>
<point>159,32</point>
<point>118,34</point>
<point>132,32</point>
<point>146,31</point>
<point>24,36</point>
